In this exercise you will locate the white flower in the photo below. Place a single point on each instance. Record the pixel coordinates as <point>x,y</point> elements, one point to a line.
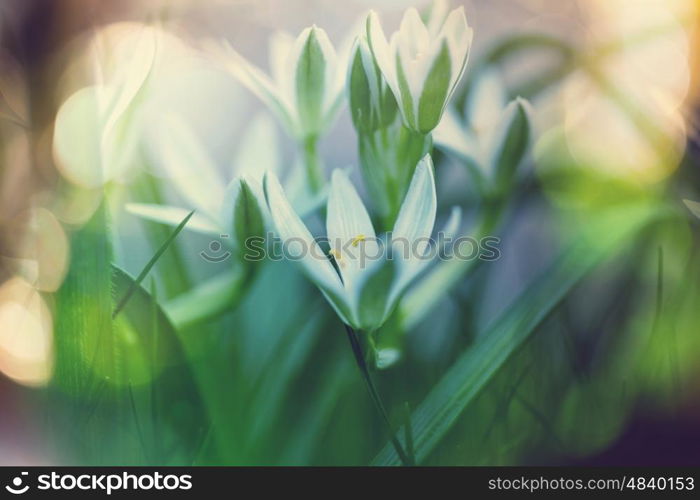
<point>367,285</point>
<point>96,134</point>
<point>494,134</point>
<point>178,153</point>
<point>422,64</point>
<point>305,90</point>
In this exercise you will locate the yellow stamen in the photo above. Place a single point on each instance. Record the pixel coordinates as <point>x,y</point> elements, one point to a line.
<point>357,239</point>
<point>335,254</point>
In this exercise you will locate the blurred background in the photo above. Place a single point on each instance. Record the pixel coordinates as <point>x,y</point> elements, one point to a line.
<point>609,375</point>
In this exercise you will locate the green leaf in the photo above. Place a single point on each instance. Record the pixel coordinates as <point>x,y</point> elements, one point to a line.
<point>84,305</point>
<point>208,299</point>
<point>291,355</point>
<point>143,319</point>
<point>153,382</point>
<point>477,365</point>
<point>105,367</point>
<point>318,413</point>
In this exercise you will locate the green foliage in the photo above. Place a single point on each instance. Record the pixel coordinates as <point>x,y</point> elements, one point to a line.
<point>475,367</point>
<point>247,363</point>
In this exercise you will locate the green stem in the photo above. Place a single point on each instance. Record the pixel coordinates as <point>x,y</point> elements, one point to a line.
<point>312,162</point>
<point>374,394</point>
<point>388,157</point>
<point>409,148</point>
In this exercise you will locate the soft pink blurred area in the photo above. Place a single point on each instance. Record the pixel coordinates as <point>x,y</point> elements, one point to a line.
<point>22,441</point>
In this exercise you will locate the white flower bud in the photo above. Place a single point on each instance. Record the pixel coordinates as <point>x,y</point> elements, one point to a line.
<point>372,104</point>
<point>305,90</point>
<point>422,66</point>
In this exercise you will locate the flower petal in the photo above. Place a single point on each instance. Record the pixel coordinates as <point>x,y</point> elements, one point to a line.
<point>280,50</point>
<point>414,35</point>
<point>259,149</point>
<point>417,215</point>
<point>132,77</point>
<point>385,58</point>
<point>372,297</point>
<point>693,206</point>
<point>459,40</point>
<point>451,134</point>
<point>415,52</point>
<point>255,80</point>
<point>333,84</point>
<point>407,102</point>
<point>314,79</point>
<point>436,16</point>
<point>510,140</point>
<point>486,101</point>
<point>350,232</point>
<point>451,226</point>
<point>177,151</point>
<point>301,246</point>
<point>173,216</point>
<point>410,239</point>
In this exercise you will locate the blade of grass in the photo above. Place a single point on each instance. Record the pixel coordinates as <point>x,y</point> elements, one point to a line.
<point>155,325</point>
<point>175,276</point>
<point>374,395</point>
<point>147,268</point>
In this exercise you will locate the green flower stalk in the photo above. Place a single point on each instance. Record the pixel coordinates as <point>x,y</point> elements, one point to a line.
<point>361,283</point>
<point>388,150</point>
<point>305,90</point>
